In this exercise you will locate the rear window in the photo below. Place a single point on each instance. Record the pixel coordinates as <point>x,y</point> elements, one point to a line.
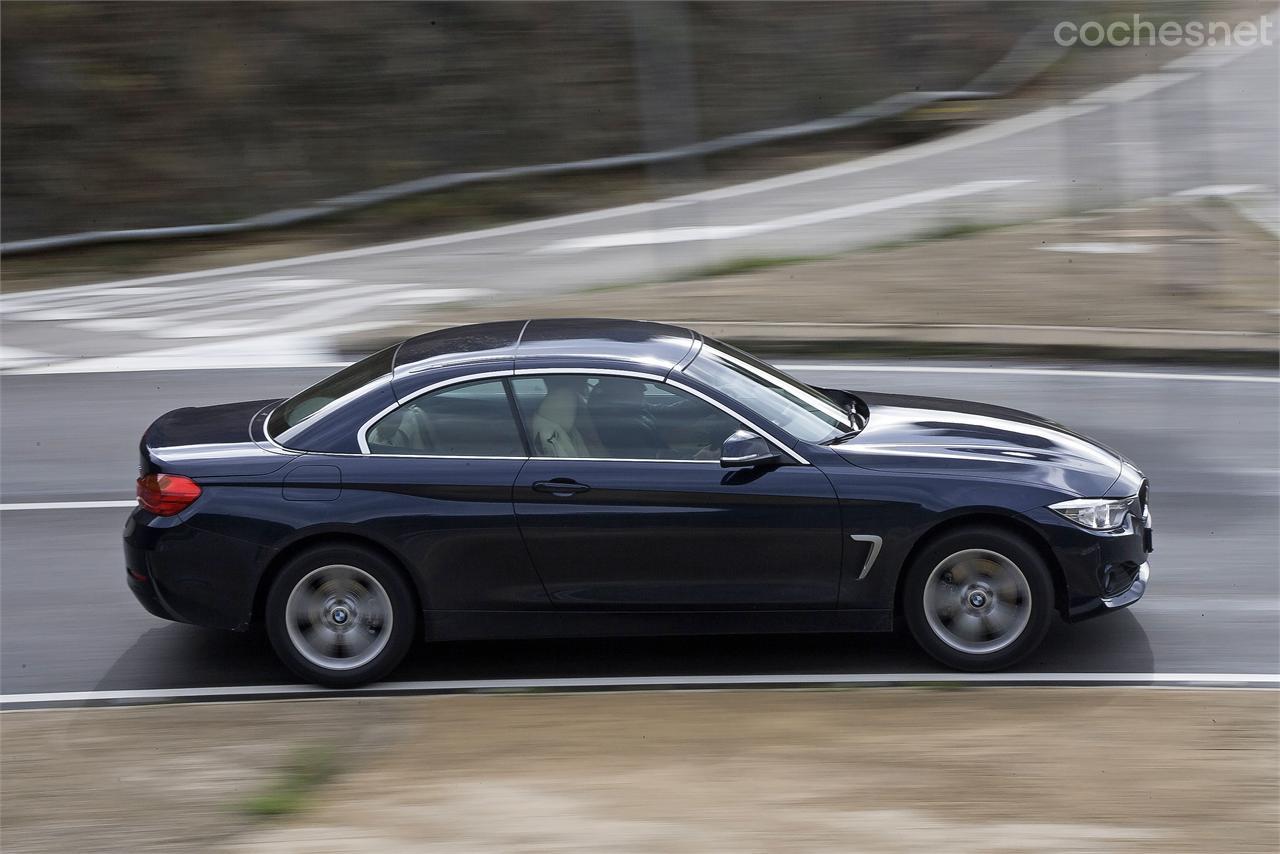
<point>347,381</point>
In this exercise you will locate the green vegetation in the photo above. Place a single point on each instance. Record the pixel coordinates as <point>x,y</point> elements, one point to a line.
<point>952,231</point>
<point>750,265</point>
<point>307,768</point>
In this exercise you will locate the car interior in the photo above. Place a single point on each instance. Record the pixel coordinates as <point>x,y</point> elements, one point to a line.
<point>565,416</point>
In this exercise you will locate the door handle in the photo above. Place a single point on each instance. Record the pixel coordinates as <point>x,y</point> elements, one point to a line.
<point>560,486</point>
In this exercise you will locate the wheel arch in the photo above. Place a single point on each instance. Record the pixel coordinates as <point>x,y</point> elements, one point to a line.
<point>322,539</point>
<point>986,519</point>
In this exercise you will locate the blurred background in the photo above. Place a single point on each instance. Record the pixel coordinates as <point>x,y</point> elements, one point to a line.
<point>241,141</point>
<point>204,202</point>
<point>128,115</point>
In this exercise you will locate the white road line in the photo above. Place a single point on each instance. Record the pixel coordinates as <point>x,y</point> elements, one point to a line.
<point>734,232</point>
<point>1101,248</point>
<point>318,308</point>
<point>381,249</point>
<point>954,142</point>
<point>964,139</point>
<point>1038,327</point>
<point>69,505</point>
<point>1202,60</point>
<point>1215,680</point>
<point>1035,372</point>
<point>1210,190</point>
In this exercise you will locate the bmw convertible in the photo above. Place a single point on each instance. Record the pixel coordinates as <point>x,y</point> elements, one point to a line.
<point>582,477</point>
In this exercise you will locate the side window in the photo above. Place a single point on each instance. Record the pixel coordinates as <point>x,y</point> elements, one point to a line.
<point>470,420</point>
<point>608,417</point>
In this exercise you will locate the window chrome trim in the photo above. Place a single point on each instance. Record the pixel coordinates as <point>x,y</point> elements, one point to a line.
<point>622,460</point>
<point>875,542</point>
<point>270,441</point>
<point>656,378</point>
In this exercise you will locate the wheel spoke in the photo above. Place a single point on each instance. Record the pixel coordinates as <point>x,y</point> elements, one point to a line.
<point>1001,618</point>
<point>339,617</point>
<point>1005,586</point>
<point>977,601</point>
<point>968,626</point>
<point>321,638</point>
<point>358,641</point>
<point>962,571</point>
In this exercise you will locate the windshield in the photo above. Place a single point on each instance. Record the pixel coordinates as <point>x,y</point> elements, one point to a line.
<point>788,403</point>
<point>352,378</point>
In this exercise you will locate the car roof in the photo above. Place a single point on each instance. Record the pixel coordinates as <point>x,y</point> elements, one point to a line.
<point>550,342</point>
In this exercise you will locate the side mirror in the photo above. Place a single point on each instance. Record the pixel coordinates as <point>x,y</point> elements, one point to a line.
<point>745,449</point>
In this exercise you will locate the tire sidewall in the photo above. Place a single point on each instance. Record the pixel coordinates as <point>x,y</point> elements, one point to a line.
<point>1033,568</point>
<point>403,608</point>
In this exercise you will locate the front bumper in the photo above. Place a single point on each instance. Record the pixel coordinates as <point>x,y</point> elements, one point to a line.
<point>1102,571</point>
<point>1134,593</point>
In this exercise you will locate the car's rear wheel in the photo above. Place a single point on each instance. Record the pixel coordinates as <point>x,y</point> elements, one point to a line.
<point>978,599</point>
<point>340,616</point>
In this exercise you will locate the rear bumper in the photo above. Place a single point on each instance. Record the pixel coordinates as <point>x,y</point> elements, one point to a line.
<point>146,596</point>
<point>178,571</point>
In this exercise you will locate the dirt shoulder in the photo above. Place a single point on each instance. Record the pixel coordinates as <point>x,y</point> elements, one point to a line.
<point>1161,270</point>
<point>1018,769</point>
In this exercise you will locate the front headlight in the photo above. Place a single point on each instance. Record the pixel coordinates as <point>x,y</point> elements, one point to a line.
<point>1100,514</point>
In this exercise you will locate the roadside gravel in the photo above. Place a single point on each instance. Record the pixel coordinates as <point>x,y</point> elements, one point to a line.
<point>878,769</point>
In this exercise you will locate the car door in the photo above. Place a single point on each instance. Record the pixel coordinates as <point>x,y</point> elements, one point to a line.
<point>436,483</point>
<point>624,505</point>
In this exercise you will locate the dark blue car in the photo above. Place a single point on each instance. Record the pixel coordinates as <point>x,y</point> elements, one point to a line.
<point>588,477</point>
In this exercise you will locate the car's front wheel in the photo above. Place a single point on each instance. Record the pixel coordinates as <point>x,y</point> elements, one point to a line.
<point>340,616</point>
<point>978,599</point>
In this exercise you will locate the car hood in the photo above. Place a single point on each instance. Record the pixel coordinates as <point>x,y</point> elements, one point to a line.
<point>957,437</point>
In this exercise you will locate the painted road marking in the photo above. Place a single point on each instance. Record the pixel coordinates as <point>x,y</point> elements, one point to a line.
<point>1210,190</point>
<point>307,348</point>
<point>1202,59</point>
<point>1101,248</point>
<point>69,505</point>
<point>1196,680</point>
<point>734,232</point>
<point>1036,372</point>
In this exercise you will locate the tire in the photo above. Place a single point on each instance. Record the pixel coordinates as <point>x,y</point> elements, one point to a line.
<point>978,599</point>
<point>341,616</point>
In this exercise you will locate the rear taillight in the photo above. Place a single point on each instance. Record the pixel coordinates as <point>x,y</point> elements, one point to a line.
<point>167,494</point>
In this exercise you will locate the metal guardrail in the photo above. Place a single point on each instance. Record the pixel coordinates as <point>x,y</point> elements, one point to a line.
<point>1034,52</point>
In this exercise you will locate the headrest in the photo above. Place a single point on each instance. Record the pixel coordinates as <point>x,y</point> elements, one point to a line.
<point>560,407</point>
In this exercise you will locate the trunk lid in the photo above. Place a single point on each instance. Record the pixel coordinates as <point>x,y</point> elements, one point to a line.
<point>210,441</point>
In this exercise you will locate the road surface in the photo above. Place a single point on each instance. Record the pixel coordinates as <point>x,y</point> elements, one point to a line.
<point>1207,440</point>
<point>1204,123</point>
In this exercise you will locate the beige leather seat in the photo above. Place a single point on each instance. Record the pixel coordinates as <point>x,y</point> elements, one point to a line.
<point>406,429</point>
<point>553,425</point>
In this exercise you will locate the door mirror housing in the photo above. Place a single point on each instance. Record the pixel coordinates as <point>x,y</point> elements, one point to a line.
<point>745,449</point>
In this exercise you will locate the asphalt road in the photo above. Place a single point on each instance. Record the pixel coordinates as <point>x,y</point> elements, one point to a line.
<point>1207,120</point>
<point>1211,449</point>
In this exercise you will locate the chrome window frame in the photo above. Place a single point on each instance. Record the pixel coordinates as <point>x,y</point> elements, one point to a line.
<point>659,379</point>
<point>362,436</point>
